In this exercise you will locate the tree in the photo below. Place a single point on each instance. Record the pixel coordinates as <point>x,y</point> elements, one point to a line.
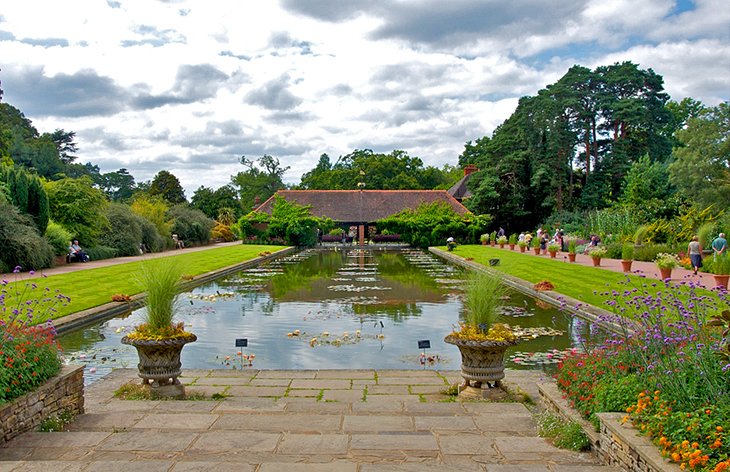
<point>65,144</point>
<point>118,185</point>
<point>263,179</point>
<point>168,187</point>
<point>701,168</point>
<point>645,181</point>
<point>79,207</point>
<point>211,201</point>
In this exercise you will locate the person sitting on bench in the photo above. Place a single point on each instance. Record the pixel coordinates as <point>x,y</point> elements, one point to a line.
<point>75,253</point>
<point>179,244</point>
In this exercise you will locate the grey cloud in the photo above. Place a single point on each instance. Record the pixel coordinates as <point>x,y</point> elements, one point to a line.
<point>45,42</point>
<point>274,95</point>
<point>289,117</point>
<point>6,36</point>
<point>113,4</point>
<point>154,37</point>
<point>281,40</point>
<point>102,137</point>
<point>184,11</point>
<point>228,53</point>
<point>330,10</point>
<point>192,83</point>
<point>341,90</point>
<point>81,94</point>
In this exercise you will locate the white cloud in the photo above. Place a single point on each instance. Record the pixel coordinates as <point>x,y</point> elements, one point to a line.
<point>190,86</point>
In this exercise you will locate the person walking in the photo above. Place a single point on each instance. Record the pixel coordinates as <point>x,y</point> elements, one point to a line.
<point>694,249</point>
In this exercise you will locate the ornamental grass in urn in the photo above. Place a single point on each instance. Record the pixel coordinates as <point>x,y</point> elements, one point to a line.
<point>481,341</point>
<point>159,339</point>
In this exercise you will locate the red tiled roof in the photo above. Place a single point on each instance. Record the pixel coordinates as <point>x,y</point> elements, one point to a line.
<point>353,206</point>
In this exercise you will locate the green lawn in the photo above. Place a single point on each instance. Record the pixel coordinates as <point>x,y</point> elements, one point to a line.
<point>93,287</point>
<point>577,281</point>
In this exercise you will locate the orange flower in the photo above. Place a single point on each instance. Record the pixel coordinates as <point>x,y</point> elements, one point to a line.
<point>719,429</point>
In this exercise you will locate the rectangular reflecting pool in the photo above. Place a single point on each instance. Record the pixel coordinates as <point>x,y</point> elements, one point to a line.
<point>328,309</point>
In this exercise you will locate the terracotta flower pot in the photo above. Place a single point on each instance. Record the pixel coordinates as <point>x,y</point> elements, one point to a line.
<point>484,243</point>
<point>553,254</point>
<point>666,273</point>
<point>522,248</point>
<point>536,250</point>
<point>596,261</point>
<point>571,256</point>
<point>721,280</point>
<point>512,247</point>
<point>626,265</point>
<point>501,245</point>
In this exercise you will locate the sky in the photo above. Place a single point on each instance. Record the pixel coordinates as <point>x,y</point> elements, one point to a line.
<point>190,86</point>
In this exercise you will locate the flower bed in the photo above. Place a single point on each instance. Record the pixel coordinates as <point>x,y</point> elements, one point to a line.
<point>669,372</point>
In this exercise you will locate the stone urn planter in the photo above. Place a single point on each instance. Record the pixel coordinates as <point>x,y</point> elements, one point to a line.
<point>571,256</point>
<point>626,265</point>
<point>159,363</point>
<point>666,272</point>
<point>482,362</point>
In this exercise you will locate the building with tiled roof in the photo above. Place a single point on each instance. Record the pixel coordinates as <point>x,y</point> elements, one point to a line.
<point>362,207</point>
<point>459,190</point>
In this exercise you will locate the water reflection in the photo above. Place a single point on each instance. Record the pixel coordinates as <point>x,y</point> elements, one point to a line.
<point>326,309</point>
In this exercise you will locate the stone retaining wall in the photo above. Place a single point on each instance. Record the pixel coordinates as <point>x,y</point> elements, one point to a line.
<point>65,391</point>
<point>615,443</point>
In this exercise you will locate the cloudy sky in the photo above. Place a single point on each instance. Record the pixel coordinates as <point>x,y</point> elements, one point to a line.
<point>189,86</point>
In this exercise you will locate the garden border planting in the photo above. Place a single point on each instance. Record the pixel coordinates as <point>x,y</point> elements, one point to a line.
<point>63,392</point>
<point>616,443</point>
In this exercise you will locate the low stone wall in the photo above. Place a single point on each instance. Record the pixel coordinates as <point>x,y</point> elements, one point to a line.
<point>617,444</point>
<point>65,391</point>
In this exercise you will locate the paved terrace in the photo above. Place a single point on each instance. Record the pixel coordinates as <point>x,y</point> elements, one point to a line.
<point>332,420</point>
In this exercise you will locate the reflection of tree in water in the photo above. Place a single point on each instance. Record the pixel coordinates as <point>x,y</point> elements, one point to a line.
<point>394,267</point>
<point>85,339</point>
<point>319,265</point>
<point>396,311</point>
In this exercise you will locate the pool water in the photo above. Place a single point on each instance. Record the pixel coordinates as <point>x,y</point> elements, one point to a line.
<point>328,309</point>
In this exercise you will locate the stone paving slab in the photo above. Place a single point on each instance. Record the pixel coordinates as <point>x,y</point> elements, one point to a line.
<point>408,425</point>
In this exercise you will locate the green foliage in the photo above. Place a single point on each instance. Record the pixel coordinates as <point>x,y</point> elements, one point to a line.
<point>648,253</point>
<point>167,186</point>
<point>705,234</point>
<point>211,202</point>
<point>644,181</point>
<point>26,192</point>
<point>394,171</point>
<point>700,166</point>
<point>627,252</point>
<point>261,180</point>
<point>79,207</point>
<point>161,282</point>
<point>290,222</point>
<point>98,253</point>
<point>564,434</point>
<point>615,393</point>
<point>57,422</point>
<point>191,225</point>
<point>58,237</point>
<point>619,223</point>
<point>21,244</point>
<point>154,210</point>
<point>483,296</point>
<point>124,232</point>
<point>571,246</point>
<point>640,235</point>
<point>431,224</point>
<point>151,238</point>
<point>512,238</point>
<point>719,265</point>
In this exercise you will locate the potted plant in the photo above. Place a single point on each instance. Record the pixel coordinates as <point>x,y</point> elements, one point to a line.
<point>481,341</point>
<point>597,253</point>
<point>666,262</point>
<point>484,238</point>
<point>720,269</point>
<point>553,249</point>
<point>512,241</point>
<point>627,256</point>
<point>522,245</point>
<point>571,250</point>
<point>535,245</point>
<point>502,240</point>
<point>493,238</point>
<point>159,340</point>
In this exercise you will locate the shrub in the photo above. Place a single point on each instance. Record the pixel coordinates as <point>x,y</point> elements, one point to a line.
<point>154,210</point>
<point>191,225</point>
<point>649,252</point>
<point>78,207</point>
<point>58,237</point>
<point>565,435</point>
<point>124,233</point>
<point>151,238</point>
<point>98,253</point>
<point>222,232</point>
<point>21,244</point>
<point>613,250</point>
<point>627,252</point>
